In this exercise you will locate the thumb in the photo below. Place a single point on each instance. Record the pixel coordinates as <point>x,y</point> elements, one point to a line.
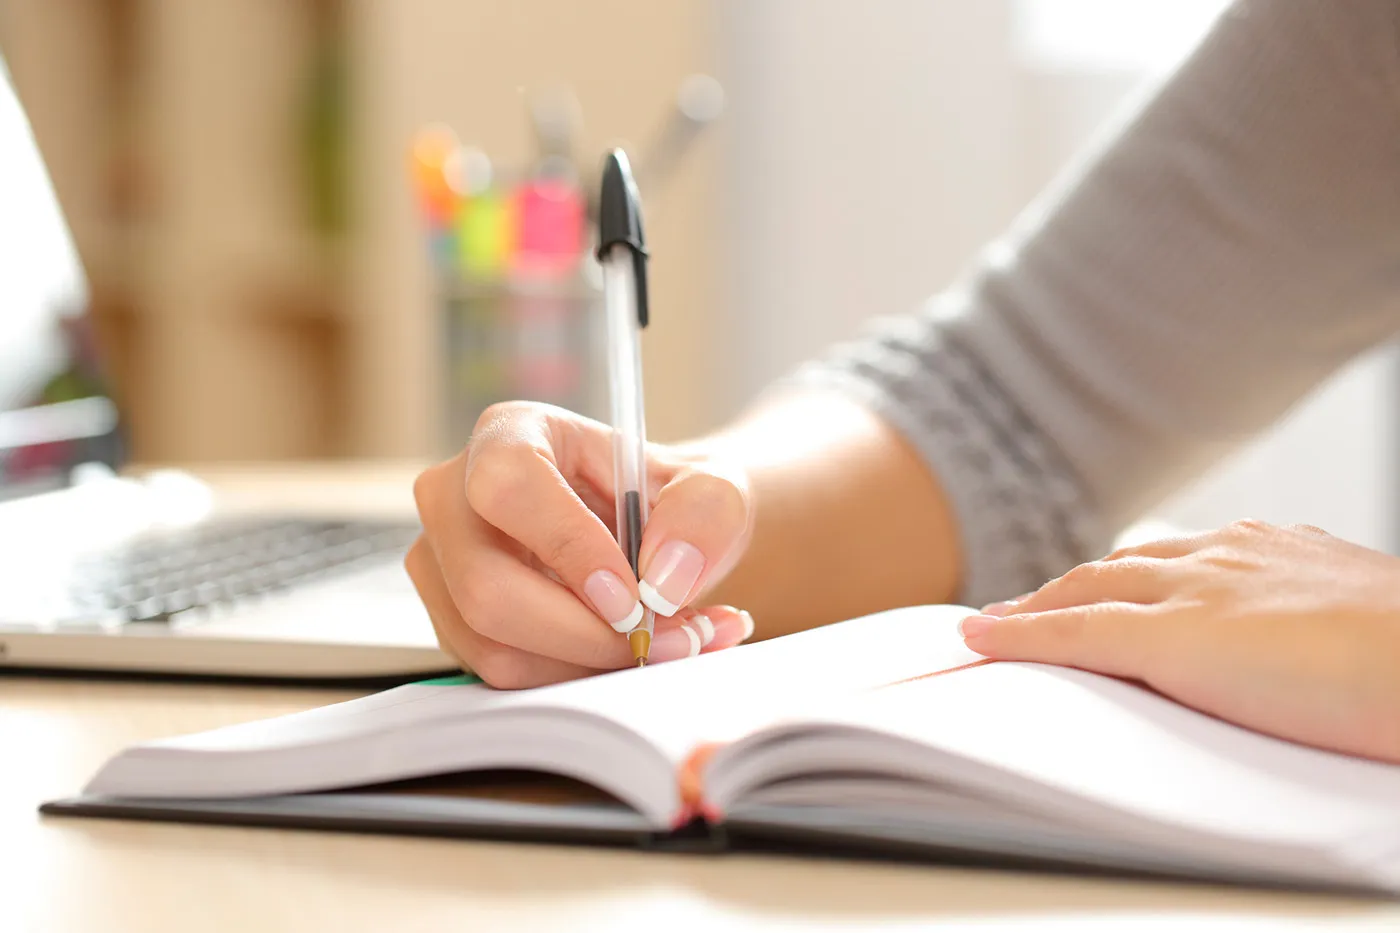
<point>696,531</point>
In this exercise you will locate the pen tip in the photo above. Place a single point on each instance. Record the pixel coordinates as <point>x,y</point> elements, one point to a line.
<point>640,642</point>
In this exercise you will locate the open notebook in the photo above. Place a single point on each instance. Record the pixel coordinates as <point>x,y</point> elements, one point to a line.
<point>881,735</point>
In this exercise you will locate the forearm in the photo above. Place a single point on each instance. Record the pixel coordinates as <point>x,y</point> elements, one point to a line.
<point>848,519</point>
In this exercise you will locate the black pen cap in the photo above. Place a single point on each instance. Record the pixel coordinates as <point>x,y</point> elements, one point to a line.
<point>620,221</point>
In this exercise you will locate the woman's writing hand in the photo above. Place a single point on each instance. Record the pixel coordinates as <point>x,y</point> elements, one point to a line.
<point>1289,631</point>
<point>519,567</point>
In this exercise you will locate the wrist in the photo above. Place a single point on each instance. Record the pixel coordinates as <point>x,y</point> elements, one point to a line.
<point>845,519</point>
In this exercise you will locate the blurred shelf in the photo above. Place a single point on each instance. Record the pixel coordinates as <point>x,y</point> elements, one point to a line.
<point>269,268</point>
<point>194,144</point>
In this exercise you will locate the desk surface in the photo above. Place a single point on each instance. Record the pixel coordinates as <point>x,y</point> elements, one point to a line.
<point>92,875</point>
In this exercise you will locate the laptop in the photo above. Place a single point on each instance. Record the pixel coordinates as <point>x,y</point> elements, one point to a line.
<point>104,572</point>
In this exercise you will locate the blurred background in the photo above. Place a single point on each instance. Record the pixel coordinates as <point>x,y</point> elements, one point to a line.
<point>274,276</point>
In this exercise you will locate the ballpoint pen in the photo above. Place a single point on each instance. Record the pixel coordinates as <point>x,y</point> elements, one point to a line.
<point>623,255</point>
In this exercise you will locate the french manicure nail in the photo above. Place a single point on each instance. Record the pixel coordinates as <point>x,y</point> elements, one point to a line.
<point>671,576</point>
<point>748,624</point>
<point>672,644</point>
<point>612,600</point>
<point>704,627</point>
<point>973,626</point>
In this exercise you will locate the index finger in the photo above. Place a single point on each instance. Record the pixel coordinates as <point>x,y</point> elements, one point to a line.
<point>497,594</point>
<point>514,484</point>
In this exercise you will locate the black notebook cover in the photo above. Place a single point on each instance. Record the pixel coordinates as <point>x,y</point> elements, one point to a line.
<point>529,807</point>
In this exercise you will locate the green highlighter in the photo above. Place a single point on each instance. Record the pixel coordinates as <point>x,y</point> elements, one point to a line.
<point>453,680</point>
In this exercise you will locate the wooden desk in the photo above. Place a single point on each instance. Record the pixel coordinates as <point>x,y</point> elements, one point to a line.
<point>109,877</point>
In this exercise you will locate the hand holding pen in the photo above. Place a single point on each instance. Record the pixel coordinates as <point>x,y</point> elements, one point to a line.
<point>521,574</point>
<point>522,577</point>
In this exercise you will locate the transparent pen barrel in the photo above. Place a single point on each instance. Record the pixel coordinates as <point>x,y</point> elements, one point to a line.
<point>628,417</point>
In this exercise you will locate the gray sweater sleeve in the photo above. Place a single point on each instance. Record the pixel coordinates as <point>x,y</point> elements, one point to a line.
<point>1233,241</point>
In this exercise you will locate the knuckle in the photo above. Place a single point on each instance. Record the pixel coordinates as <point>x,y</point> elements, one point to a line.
<point>1247,527</point>
<point>1082,575</point>
<point>717,497</point>
<point>489,664</point>
<point>424,574</point>
<point>1133,565</point>
<point>1084,580</point>
<point>418,561</point>
<point>494,416</point>
<point>1309,530</point>
<point>426,487</point>
<point>444,643</point>
<point>501,667</point>
<point>498,479</point>
<point>414,558</point>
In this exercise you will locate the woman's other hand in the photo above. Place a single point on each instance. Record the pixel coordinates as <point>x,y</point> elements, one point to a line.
<point>1289,631</point>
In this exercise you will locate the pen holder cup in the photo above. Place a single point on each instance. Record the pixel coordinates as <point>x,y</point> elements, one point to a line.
<point>530,337</point>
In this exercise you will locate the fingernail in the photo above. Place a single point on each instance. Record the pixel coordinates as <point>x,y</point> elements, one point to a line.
<point>704,627</point>
<point>672,644</point>
<point>973,626</point>
<point>671,576</point>
<point>748,625</point>
<point>611,600</point>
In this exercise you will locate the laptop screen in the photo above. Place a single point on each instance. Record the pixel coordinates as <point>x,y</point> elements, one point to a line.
<point>54,411</point>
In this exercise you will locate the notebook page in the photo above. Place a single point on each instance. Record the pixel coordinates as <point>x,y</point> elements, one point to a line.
<point>720,697</point>
<point>673,705</point>
<point>674,708</point>
<point>1137,753</point>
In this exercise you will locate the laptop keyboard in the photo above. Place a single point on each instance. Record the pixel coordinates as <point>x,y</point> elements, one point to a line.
<point>219,563</point>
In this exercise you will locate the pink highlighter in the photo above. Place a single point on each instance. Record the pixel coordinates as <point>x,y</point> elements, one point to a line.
<point>549,222</point>
<point>549,215</point>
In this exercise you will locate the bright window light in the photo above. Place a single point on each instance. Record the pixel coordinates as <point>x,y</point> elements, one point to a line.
<point>1148,36</point>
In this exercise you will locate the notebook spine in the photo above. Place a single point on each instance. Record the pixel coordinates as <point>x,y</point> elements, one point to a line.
<point>696,837</point>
